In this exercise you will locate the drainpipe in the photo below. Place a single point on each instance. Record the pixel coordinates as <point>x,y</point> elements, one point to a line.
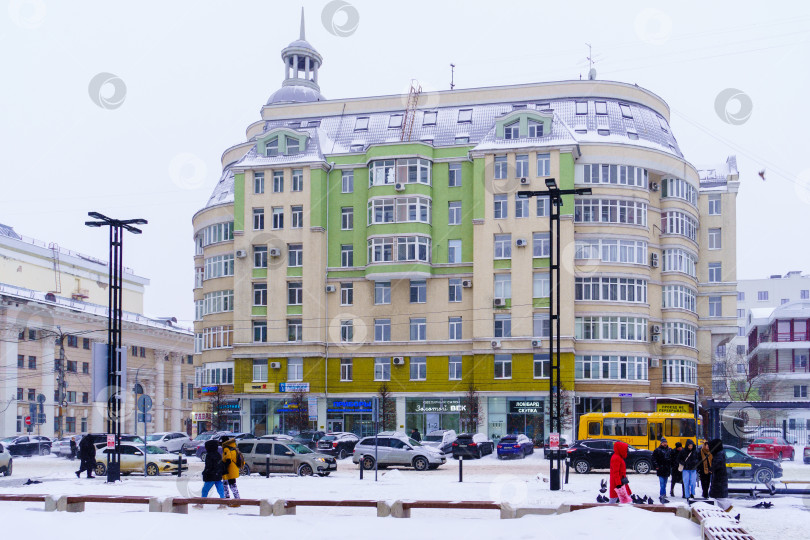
<point>326,275</point>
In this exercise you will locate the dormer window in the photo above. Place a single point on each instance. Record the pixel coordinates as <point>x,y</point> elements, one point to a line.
<point>626,112</point>
<point>582,107</point>
<point>293,146</point>
<point>601,107</point>
<point>462,140</point>
<point>357,147</point>
<point>464,116</point>
<point>395,121</point>
<point>511,131</point>
<point>663,124</point>
<point>361,124</point>
<point>271,147</point>
<point>535,129</point>
<point>429,118</point>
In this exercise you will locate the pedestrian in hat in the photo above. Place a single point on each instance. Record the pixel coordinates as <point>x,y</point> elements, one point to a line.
<point>662,461</point>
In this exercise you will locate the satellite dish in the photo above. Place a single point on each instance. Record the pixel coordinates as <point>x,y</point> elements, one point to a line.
<point>592,74</point>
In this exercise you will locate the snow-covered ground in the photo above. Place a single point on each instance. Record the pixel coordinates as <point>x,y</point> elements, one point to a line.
<point>520,482</point>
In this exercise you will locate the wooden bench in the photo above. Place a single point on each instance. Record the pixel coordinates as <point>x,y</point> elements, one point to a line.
<point>49,500</point>
<point>650,507</point>
<point>288,507</point>
<point>402,509</point>
<point>717,524</point>
<point>75,503</point>
<point>180,505</point>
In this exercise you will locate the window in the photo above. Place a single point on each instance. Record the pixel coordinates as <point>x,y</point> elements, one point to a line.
<point>219,232</point>
<point>295,255</point>
<point>500,167</point>
<point>542,366</point>
<point>680,260</point>
<point>541,245</point>
<point>382,329</point>
<point>804,294</point>
<point>418,329</point>
<point>32,394</point>
<point>454,290</point>
<point>346,255</point>
<point>741,350</point>
<point>503,286</point>
<point>535,129</point>
<point>454,328</point>
<point>678,333</point>
<point>454,251</point>
<point>19,394</point>
<point>406,170</point>
<point>382,369</point>
<point>715,306</point>
<point>278,217</point>
<point>522,166</point>
<point>503,366</point>
<point>715,273</point>
<point>260,370</point>
<point>626,112</point>
<point>295,369</point>
<point>347,330</point>
<point>86,341</point>
<point>86,367</point>
<point>680,371</point>
<point>32,362</point>
<point>395,121</point>
<point>619,251</point>
<point>294,330</point>
<point>293,146</point>
<point>219,266</point>
<point>259,331</point>
<point>399,210</point>
<point>295,293</point>
<point>762,296</point>
<point>464,115</point>
<point>86,397</point>
<point>418,366</point>
<point>408,248</point>
<point>601,107</point>
<point>582,107</point>
<point>503,325</point>
<point>454,213</point>
<point>610,211</point>
<point>611,367</point>
<point>454,178</point>
<point>612,290</point>
<point>678,188</point>
<point>298,180</point>
<point>454,365</point>
<point>418,292</point>
<point>260,294</point>
<point>543,165</point>
<point>217,337</point>
<point>715,239</point>
<point>610,328</point>
<point>714,205</point>
<point>740,296</point>
<point>615,174</point>
<point>278,181</point>
<point>541,325</point>
<point>361,123</point>
<point>258,219</point>
<point>512,131</point>
<point>429,118</point>
<point>20,360</point>
<point>297,215</point>
<point>259,256</point>
<point>346,294</point>
<point>541,285</point>
<point>382,292</point>
<point>521,207</point>
<point>258,183</point>
<point>347,182</point>
<point>785,300</point>
<point>218,302</point>
<point>543,206</point>
<point>800,391</point>
<point>345,369</point>
<point>675,222</point>
<point>501,206</point>
<point>347,218</point>
<point>503,246</point>
<point>271,147</point>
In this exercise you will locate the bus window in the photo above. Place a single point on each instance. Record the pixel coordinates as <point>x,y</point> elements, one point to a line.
<point>688,428</point>
<point>593,428</point>
<point>655,431</point>
<point>613,426</point>
<point>636,427</point>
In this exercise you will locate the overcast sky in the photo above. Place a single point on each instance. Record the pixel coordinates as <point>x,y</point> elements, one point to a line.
<point>197,72</point>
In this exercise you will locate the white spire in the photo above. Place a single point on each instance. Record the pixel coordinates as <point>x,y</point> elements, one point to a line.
<point>302,38</point>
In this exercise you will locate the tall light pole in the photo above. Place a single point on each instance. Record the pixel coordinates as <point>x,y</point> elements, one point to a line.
<point>555,196</point>
<point>114,367</point>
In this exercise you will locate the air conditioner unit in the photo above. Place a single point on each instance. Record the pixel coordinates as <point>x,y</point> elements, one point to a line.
<point>500,302</point>
<point>330,288</point>
<point>654,260</point>
<point>521,242</point>
<point>525,181</point>
<point>656,338</point>
<point>536,343</point>
<point>655,362</point>
<point>399,186</point>
<point>275,365</point>
<point>241,253</point>
<point>466,283</point>
<point>655,329</point>
<point>274,252</point>
<point>496,343</point>
<point>653,186</point>
<point>398,360</point>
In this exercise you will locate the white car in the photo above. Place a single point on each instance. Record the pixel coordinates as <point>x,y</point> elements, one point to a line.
<point>169,441</point>
<point>5,461</point>
<point>442,439</point>
<point>132,460</point>
<point>61,447</point>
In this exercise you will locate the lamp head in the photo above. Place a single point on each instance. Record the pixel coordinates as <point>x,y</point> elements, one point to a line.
<point>551,183</point>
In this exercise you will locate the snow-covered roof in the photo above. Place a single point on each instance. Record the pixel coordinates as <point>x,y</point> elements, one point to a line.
<point>719,175</point>
<point>6,230</point>
<point>223,191</point>
<point>791,310</point>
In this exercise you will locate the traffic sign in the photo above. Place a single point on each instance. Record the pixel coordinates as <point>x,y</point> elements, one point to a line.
<point>41,418</point>
<point>27,420</point>
<point>138,388</point>
<point>144,404</point>
<point>110,441</point>
<point>142,419</point>
<point>554,441</point>
<point>40,398</point>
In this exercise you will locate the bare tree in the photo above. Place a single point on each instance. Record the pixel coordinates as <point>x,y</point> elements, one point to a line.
<point>216,403</point>
<point>387,408</point>
<point>744,382</point>
<point>470,415</point>
<point>298,415</point>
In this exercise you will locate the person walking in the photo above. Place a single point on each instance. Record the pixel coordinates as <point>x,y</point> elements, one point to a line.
<point>213,471</point>
<point>87,457</point>
<point>719,484</point>
<point>705,469</point>
<point>688,462</point>
<point>415,435</point>
<point>619,485</point>
<point>73,448</point>
<point>677,477</point>
<point>231,459</point>
<point>662,461</point>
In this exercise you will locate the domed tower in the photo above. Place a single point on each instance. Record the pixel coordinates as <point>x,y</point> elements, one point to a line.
<point>301,63</point>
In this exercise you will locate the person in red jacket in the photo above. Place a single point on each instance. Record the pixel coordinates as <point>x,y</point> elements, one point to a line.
<point>618,470</point>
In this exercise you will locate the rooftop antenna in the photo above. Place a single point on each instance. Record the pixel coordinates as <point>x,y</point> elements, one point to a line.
<point>452,76</point>
<point>591,62</point>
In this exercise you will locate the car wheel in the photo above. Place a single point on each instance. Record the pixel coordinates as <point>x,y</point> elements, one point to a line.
<point>792,456</point>
<point>324,473</point>
<point>202,456</point>
<point>367,463</point>
<point>480,454</point>
<point>343,453</point>
<point>642,466</point>
<point>152,470</point>
<point>582,466</point>
<point>7,472</point>
<point>763,476</point>
<point>44,451</point>
<point>245,470</point>
<point>304,470</point>
<point>500,456</point>
<point>101,469</point>
<point>420,463</point>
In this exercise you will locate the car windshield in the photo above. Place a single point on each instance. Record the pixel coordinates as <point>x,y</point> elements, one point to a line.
<point>299,448</point>
<point>413,442</point>
<point>328,438</point>
<point>632,448</point>
<point>438,438</point>
<point>762,441</point>
<point>509,438</point>
<point>150,438</point>
<point>154,450</point>
<point>203,437</point>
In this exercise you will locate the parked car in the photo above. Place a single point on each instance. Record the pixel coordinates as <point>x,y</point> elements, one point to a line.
<point>807,454</point>
<point>515,445</point>
<point>309,438</point>
<point>472,445</point>
<point>285,457</point>
<point>776,432</point>
<point>132,458</point>
<point>743,467</point>
<point>394,448</point>
<point>61,447</point>
<point>191,446</point>
<point>98,438</point>
<point>6,462</point>
<point>28,445</point>
<point>441,438</point>
<point>547,450</point>
<point>584,456</point>
<point>339,444</point>
<point>771,448</point>
<point>277,437</point>
<point>169,441</point>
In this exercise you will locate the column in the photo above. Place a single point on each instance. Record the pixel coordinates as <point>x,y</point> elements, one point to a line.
<point>306,67</point>
<point>159,406</point>
<point>176,393</point>
<point>286,68</point>
<point>400,413</point>
<point>322,413</point>
<point>315,73</point>
<point>8,385</point>
<point>295,65</point>
<point>48,386</point>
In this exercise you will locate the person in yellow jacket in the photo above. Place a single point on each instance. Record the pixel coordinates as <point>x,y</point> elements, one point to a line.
<point>230,456</point>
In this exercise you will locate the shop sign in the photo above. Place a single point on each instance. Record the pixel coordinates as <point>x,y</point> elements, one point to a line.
<point>440,406</point>
<point>202,416</point>
<point>622,394</point>
<point>258,387</point>
<point>209,390</point>
<point>673,408</point>
<point>526,407</point>
<point>230,405</point>
<point>354,406</point>
<point>293,387</point>
<point>312,408</point>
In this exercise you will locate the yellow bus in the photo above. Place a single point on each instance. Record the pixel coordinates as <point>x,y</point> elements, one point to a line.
<point>642,430</point>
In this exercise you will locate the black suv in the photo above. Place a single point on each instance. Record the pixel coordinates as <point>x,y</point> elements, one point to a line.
<point>339,444</point>
<point>595,454</point>
<point>742,467</point>
<point>309,438</point>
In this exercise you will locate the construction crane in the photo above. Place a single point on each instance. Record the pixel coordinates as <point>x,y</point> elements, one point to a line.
<point>410,111</point>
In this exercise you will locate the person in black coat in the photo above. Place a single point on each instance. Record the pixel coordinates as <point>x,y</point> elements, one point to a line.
<point>677,477</point>
<point>662,461</point>
<point>719,482</point>
<point>415,435</point>
<point>73,448</point>
<point>213,470</point>
<point>689,459</point>
<point>87,457</point>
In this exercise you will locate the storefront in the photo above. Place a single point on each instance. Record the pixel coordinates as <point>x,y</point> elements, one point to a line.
<point>428,414</point>
<point>354,415</point>
<point>509,415</point>
<point>275,416</point>
<point>230,414</point>
<point>202,421</point>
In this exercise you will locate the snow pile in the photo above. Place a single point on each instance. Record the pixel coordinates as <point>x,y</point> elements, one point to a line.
<point>393,475</point>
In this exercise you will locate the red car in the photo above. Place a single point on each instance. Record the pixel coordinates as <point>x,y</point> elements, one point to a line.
<point>774,448</point>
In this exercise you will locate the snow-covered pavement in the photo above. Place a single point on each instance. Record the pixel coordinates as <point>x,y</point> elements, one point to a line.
<point>520,482</point>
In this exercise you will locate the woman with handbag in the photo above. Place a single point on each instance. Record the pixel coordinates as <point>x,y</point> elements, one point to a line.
<point>677,476</point>
<point>619,485</point>
<point>705,469</point>
<point>687,463</point>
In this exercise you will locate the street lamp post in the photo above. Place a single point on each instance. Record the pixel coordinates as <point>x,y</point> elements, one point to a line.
<point>555,197</point>
<point>114,327</point>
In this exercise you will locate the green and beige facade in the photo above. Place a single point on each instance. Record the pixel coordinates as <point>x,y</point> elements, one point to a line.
<point>355,242</point>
